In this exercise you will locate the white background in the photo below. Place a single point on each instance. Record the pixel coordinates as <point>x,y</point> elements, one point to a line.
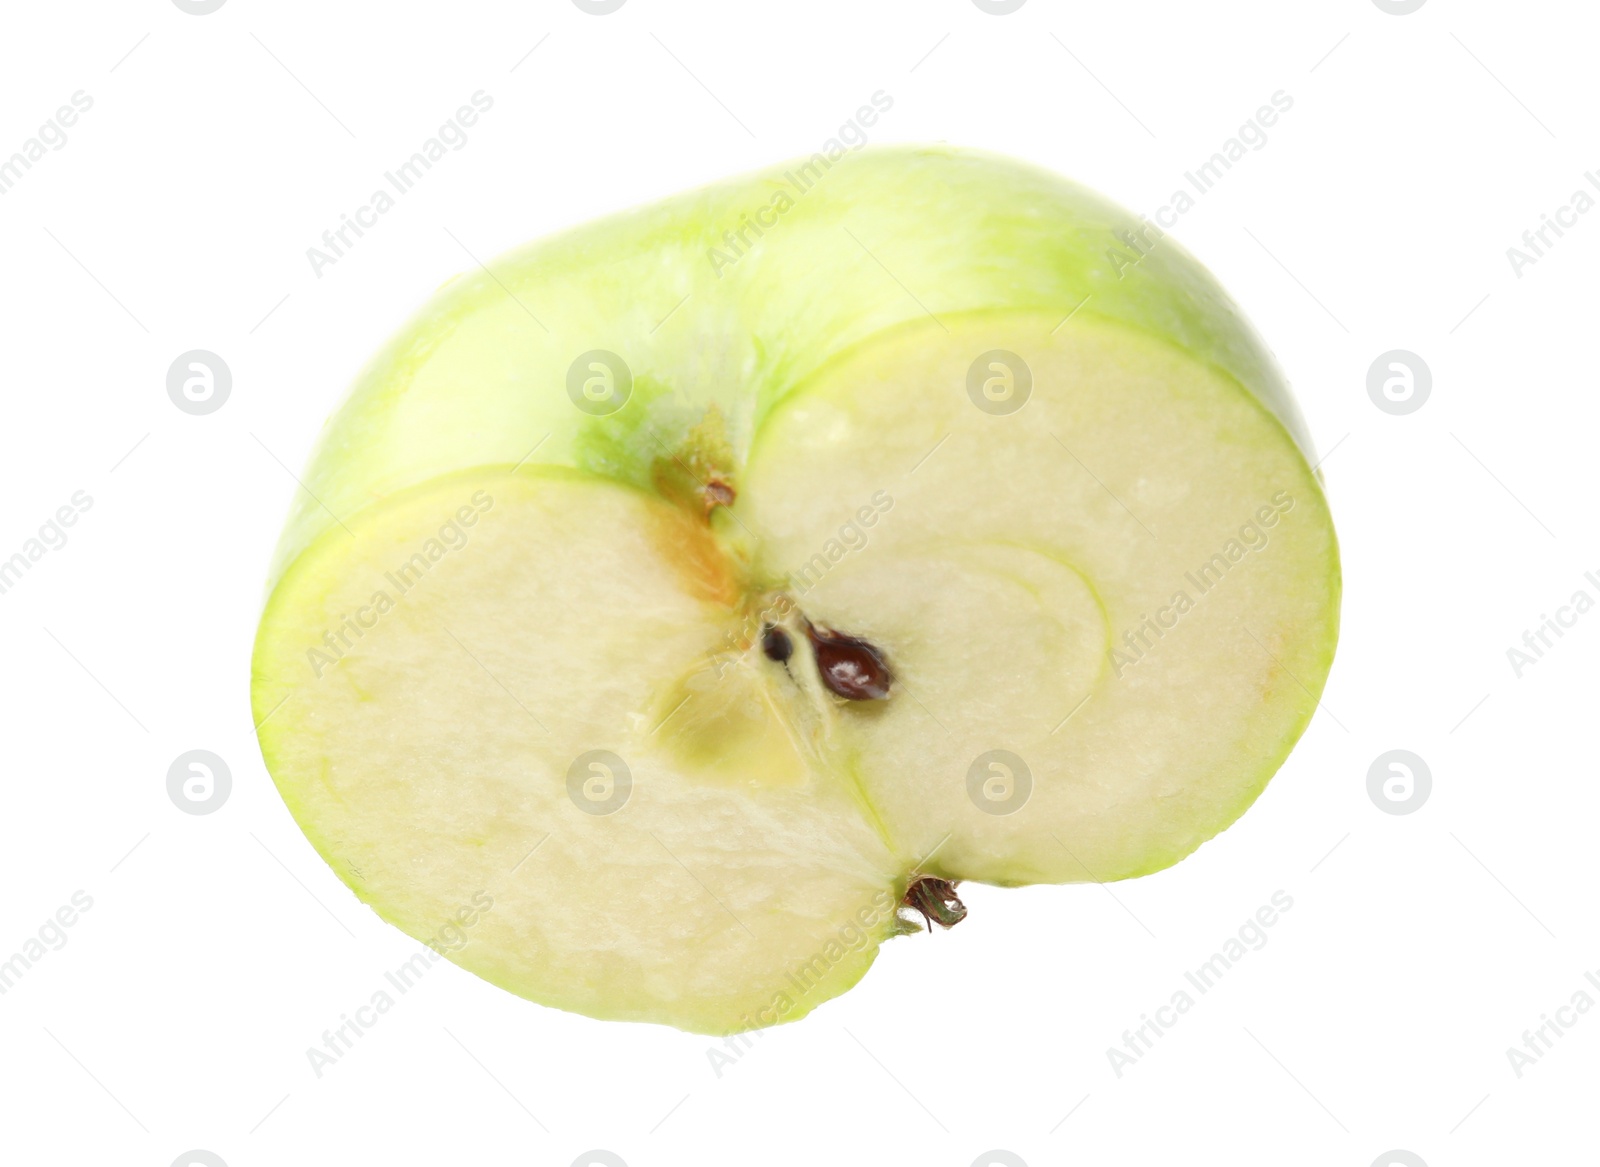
<point>1378,215</point>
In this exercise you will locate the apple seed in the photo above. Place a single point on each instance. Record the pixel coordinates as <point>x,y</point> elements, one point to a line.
<point>850,667</point>
<point>776,644</point>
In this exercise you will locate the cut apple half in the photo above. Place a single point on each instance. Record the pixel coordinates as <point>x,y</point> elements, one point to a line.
<point>710,694</point>
<point>1155,580</point>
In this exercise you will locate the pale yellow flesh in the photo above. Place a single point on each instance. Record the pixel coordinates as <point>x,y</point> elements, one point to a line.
<point>771,828</point>
<point>429,764</point>
<point>1132,468</point>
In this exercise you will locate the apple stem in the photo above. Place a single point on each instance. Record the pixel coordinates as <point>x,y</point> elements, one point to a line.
<point>936,899</point>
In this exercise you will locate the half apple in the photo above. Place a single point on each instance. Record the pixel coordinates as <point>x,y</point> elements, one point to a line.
<point>713,591</point>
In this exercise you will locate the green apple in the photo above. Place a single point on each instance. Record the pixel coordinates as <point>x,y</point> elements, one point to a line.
<point>708,590</point>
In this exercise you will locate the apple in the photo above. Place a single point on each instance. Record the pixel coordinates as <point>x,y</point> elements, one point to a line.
<point>682,606</point>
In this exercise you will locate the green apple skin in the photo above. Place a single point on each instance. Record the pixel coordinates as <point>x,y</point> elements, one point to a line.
<point>478,377</point>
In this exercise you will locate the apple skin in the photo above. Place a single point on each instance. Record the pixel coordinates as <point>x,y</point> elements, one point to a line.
<point>880,238</point>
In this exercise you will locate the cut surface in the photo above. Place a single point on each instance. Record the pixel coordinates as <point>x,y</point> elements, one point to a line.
<point>450,751</point>
<point>1103,620</point>
<point>1178,552</point>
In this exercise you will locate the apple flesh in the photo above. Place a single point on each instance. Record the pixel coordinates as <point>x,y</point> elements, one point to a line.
<point>712,692</point>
